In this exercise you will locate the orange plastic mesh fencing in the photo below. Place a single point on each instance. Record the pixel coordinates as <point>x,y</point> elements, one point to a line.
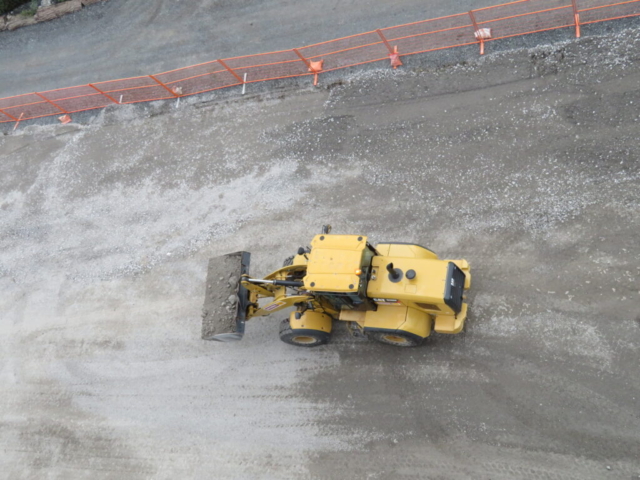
<point>521,17</point>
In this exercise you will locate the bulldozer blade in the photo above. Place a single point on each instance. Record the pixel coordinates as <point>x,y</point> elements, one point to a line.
<point>226,300</point>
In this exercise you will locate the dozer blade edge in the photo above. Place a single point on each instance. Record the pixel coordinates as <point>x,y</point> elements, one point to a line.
<point>226,300</point>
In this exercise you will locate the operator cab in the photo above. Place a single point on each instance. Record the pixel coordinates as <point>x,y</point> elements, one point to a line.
<point>338,270</point>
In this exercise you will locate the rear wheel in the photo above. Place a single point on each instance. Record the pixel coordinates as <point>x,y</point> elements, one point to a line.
<point>302,337</point>
<point>397,339</point>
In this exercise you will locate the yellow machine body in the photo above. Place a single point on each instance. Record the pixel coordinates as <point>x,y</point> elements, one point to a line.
<point>310,320</point>
<point>333,262</point>
<point>412,305</point>
<point>394,288</point>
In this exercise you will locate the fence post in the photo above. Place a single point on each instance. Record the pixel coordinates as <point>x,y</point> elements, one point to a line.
<point>306,62</point>
<point>10,116</point>
<point>18,122</point>
<point>576,17</point>
<point>49,101</point>
<point>230,71</point>
<point>314,67</point>
<point>163,85</point>
<point>100,91</point>
<point>394,56</point>
<point>384,40</point>
<point>476,30</point>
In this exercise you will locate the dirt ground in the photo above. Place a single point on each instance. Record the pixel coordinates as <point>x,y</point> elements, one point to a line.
<point>126,38</point>
<point>524,163</point>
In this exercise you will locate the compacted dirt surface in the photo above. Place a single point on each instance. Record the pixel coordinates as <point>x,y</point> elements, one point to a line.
<point>525,163</point>
<point>126,38</point>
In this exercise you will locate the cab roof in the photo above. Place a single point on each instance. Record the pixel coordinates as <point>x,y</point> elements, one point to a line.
<point>333,262</point>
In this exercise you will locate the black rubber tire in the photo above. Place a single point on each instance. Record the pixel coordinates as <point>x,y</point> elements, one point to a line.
<point>288,261</point>
<point>312,338</point>
<point>397,339</point>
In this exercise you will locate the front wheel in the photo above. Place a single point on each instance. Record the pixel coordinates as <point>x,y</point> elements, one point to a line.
<point>397,338</point>
<point>302,337</point>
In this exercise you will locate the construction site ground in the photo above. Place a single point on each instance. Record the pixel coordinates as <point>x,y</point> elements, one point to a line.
<point>127,38</point>
<point>525,163</point>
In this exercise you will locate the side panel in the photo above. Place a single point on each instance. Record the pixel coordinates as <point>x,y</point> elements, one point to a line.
<point>385,317</point>
<point>352,316</point>
<point>398,318</point>
<point>311,321</point>
<point>417,322</point>
<point>450,323</point>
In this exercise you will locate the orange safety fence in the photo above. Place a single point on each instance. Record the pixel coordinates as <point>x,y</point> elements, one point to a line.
<point>477,27</point>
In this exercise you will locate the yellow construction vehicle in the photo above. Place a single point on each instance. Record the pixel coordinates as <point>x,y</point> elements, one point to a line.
<point>396,293</point>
